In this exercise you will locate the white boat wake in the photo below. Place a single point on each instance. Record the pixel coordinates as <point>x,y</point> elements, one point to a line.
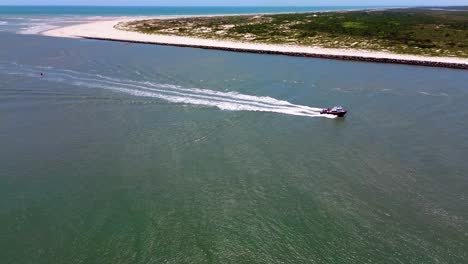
<point>232,101</point>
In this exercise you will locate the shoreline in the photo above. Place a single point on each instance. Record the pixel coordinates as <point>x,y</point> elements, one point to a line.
<point>105,30</point>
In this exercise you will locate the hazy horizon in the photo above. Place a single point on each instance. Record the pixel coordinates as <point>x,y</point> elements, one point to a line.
<point>229,3</point>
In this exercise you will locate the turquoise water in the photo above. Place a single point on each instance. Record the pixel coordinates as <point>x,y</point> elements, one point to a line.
<point>153,154</point>
<point>146,11</point>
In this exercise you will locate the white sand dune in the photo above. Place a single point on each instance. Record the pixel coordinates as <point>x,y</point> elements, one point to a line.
<point>105,30</point>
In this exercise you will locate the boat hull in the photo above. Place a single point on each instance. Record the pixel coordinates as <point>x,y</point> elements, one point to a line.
<point>341,114</point>
<point>338,114</point>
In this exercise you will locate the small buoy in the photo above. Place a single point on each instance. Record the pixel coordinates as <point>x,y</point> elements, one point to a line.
<point>42,74</point>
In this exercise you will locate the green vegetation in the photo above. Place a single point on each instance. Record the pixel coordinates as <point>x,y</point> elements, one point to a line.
<point>411,31</point>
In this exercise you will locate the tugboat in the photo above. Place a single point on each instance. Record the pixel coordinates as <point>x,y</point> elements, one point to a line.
<point>337,110</point>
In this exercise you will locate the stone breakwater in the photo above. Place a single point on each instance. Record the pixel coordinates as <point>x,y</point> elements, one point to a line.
<point>304,54</point>
<point>107,30</point>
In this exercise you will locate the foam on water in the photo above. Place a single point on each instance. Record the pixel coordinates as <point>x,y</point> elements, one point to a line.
<point>35,25</point>
<point>36,28</point>
<point>172,93</point>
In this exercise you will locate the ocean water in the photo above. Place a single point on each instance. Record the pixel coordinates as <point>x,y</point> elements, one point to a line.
<point>131,153</point>
<point>164,10</point>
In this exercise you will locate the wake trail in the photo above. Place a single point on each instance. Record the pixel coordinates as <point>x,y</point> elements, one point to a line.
<point>233,101</point>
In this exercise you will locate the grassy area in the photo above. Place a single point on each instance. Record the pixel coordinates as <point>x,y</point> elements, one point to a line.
<point>409,31</point>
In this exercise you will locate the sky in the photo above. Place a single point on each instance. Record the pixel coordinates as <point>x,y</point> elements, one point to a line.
<point>236,2</point>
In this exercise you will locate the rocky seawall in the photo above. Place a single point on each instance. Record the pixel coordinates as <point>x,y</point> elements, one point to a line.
<point>303,54</point>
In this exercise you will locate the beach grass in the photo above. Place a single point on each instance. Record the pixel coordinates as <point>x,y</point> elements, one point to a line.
<point>416,31</point>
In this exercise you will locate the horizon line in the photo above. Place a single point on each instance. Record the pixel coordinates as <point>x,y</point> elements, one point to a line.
<point>45,5</point>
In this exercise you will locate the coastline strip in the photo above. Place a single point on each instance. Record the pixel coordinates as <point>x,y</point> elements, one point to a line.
<point>300,54</point>
<point>105,30</point>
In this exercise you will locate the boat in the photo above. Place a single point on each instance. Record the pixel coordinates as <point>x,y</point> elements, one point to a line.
<point>337,110</point>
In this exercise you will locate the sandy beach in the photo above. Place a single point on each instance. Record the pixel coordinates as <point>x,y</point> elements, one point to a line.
<point>105,30</point>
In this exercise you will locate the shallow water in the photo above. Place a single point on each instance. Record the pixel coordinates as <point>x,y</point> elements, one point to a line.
<point>129,153</point>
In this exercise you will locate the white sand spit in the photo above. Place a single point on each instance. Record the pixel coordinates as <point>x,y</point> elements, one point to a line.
<point>105,30</point>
